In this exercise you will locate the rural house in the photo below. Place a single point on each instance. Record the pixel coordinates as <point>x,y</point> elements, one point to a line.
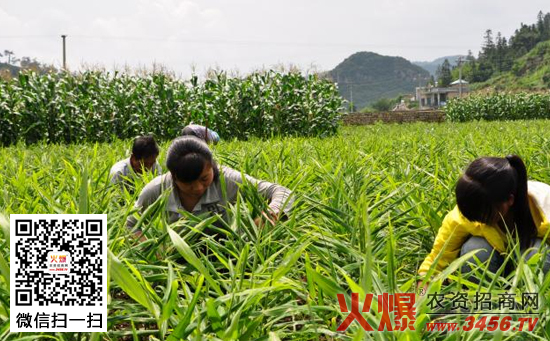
<point>431,97</point>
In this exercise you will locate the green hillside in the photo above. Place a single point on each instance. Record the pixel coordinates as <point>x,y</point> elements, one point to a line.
<point>365,77</point>
<point>529,72</point>
<point>519,62</point>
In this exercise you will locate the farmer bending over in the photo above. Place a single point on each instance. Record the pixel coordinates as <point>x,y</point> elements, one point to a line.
<point>195,185</point>
<point>493,199</point>
<point>203,133</point>
<point>144,158</point>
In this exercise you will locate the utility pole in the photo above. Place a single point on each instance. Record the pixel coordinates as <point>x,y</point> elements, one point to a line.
<point>64,53</point>
<point>459,77</point>
<point>351,97</point>
<point>417,92</point>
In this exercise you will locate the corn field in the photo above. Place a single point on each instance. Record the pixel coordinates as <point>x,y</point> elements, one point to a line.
<point>98,107</point>
<point>369,203</point>
<point>499,107</point>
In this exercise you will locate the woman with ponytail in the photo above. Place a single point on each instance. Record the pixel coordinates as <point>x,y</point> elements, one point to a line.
<point>494,200</point>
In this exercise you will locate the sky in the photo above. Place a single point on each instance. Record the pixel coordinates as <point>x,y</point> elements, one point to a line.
<point>245,35</point>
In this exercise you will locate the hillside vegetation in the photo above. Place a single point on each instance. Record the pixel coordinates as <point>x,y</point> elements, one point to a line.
<point>530,72</point>
<point>365,77</point>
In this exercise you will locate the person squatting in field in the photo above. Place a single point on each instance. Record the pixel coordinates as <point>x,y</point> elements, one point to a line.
<point>493,199</point>
<point>202,132</point>
<point>195,184</point>
<point>143,158</point>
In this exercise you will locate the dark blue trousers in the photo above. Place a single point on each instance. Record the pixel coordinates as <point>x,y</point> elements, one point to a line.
<point>495,260</point>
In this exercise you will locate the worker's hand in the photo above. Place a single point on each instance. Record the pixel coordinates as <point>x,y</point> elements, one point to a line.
<point>142,243</point>
<point>140,236</point>
<point>270,217</point>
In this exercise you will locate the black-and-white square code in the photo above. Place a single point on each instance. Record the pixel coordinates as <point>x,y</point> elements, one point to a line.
<point>58,271</point>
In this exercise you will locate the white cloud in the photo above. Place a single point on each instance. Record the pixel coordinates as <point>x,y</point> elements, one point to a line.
<point>250,33</point>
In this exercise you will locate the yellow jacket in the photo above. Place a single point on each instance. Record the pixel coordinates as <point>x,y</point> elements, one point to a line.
<point>456,229</point>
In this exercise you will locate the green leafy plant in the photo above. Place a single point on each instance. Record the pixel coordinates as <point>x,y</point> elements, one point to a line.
<point>369,202</point>
<point>96,106</point>
<point>499,107</point>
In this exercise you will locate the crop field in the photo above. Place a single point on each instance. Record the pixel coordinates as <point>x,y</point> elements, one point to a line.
<point>102,107</point>
<point>369,203</point>
<point>495,107</point>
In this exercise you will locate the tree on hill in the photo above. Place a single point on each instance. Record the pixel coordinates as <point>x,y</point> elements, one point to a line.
<point>503,59</point>
<point>524,40</point>
<point>32,64</point>
<point>497,54</point>
<point>14,65</point>
<point>443,73</point>
<point>467,67</point>
<point>543,26</point>
<point>8,54</point>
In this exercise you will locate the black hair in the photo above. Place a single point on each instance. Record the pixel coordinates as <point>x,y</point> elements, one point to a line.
<point>144,147</point>
<point>186,158</point>
<point>488,182</point>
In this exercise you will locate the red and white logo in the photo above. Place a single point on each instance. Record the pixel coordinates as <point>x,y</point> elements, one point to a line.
<point>58,262</point>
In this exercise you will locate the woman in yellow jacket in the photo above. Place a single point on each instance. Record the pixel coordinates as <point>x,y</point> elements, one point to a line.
<point>493,198</point>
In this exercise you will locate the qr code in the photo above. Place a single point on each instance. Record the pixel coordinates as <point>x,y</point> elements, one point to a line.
<point>58,266</point>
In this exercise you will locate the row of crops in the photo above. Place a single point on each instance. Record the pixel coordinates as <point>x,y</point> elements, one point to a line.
<point>370,201</point>
<point>98,106</point>
<point>521,106</point>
